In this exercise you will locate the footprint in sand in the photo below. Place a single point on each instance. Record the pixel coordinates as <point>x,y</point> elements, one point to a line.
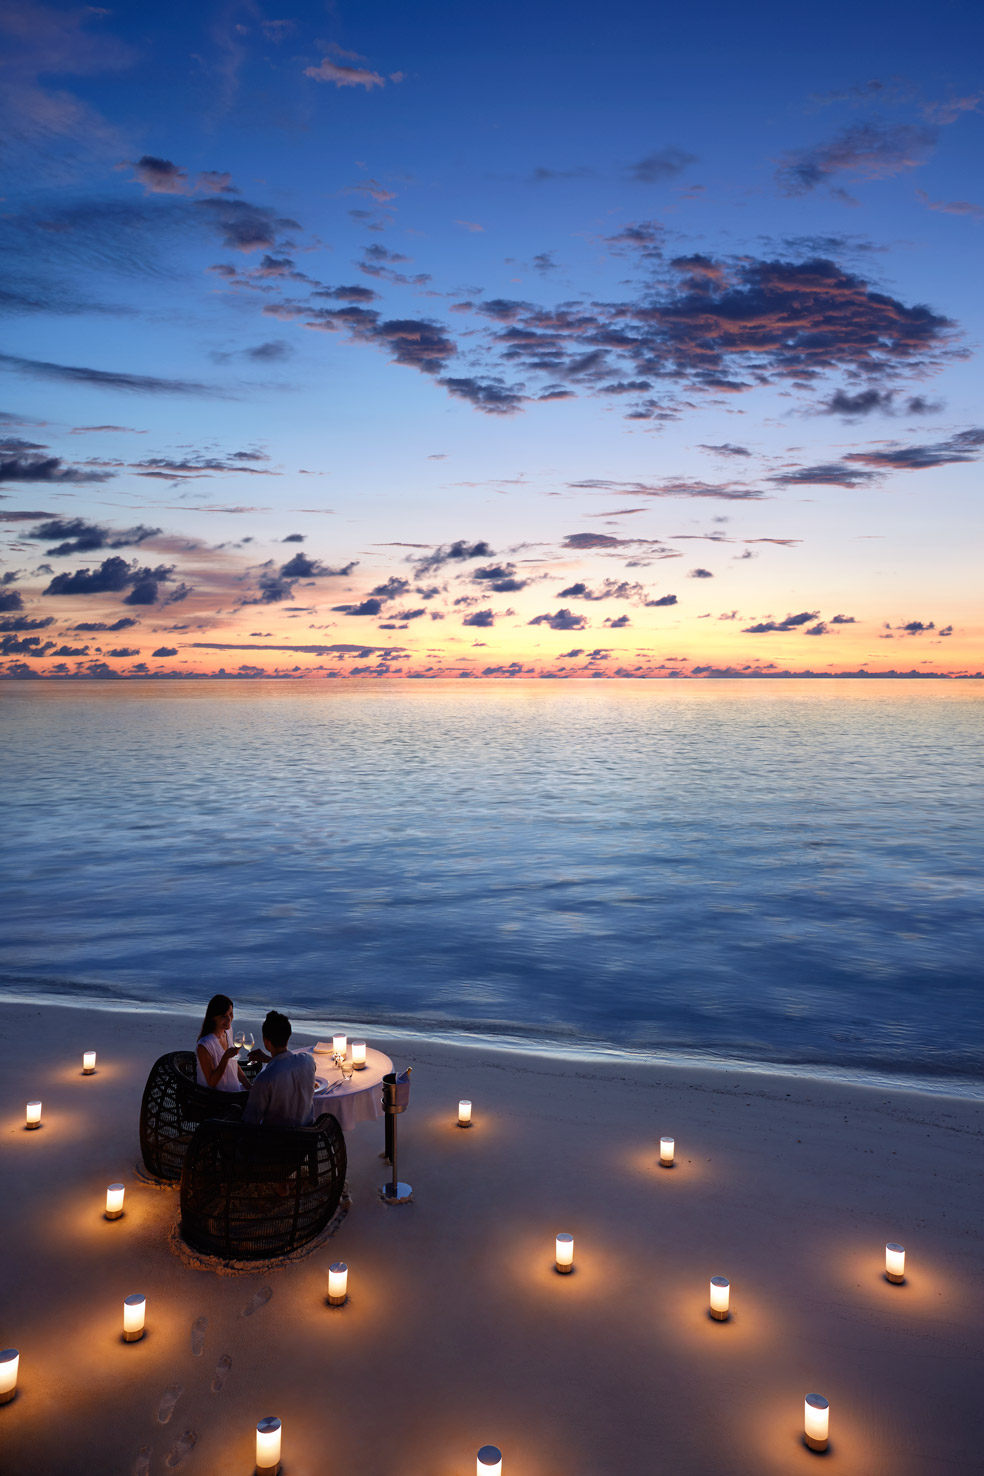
<point>169,1399</point>
<point>198,1336</point>
<point>221,1369</point>
<point>257,1301</point>
<point>141,1465</point>
<point>183,1448</point>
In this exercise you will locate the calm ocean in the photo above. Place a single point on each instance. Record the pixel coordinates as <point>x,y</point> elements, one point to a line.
<point>775,872</point>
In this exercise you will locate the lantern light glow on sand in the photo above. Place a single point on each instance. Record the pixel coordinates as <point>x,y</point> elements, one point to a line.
<point>667,1148</point>
<point>114,1201</point>
<point>33,1117</point>
<point>337,1284</point>
<point>464,1113</point>
<point>9,1362</point>
<point>268,1446</point>
<point>895,1263</point>
<point>816,1422</point>
<point>359,1054</point>
<point>88,1062</point>
<point>564,1253</point>
<point>720,1298</point>
<point>134,1311</point>
<point>489,1461</point>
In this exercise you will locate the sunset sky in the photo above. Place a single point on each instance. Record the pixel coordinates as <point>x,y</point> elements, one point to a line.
<point>441,339</point>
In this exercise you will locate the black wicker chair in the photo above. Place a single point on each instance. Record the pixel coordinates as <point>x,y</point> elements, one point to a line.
<point>250,1193</point>
<point>173,1105</point>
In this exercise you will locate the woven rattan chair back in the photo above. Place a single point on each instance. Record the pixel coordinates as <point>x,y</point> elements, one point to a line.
<point>173,1105</point>
<point>252,1193</point>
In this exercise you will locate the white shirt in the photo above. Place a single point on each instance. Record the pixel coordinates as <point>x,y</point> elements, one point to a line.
<point>283,1093</point>
<point>216,1049</point>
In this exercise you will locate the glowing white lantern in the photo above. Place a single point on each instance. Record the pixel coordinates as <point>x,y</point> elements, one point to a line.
<point>720,1298</point>
<point>337,1284</point>
<point>667,1147</point>
<point>339,1044</point>
<point>564,1253</point>
<point>9,1361</point>
<point>895,1262</point>
<point>88,1062</point>
<point>114,1201</point>
<point>268,1445</point>
<point>359,1055</point>
<point>489,1461</point>
<point>464,1113</point>
<point>816,1422</point>
<point>134,1310</point>
<point>33,1115</point>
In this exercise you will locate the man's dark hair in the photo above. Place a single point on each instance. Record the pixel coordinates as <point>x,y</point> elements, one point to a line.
<point>276,1029</point>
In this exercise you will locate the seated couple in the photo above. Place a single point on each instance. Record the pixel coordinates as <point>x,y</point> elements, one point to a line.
<point>282,1095</point>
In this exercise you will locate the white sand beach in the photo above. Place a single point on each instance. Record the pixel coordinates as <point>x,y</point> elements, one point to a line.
<point>458,1331</point>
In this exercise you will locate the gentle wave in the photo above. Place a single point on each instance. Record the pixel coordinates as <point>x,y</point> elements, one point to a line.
<point>738,871</point>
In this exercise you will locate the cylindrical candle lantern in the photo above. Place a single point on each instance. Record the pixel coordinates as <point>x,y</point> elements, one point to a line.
<point>114,1201</point>
<point>88,1062</point>
<point>359,1055</point>
<point>337,1284</point>
<point>489,1461</point>
<point>667,1147</point>
<point>9,1362</point>
<point>464,1113</point>
<point>720,1298</point>
<point>564,1254</point>
<point>816,1421</point>
<point>268,1445</point>
<point>895,1262</point>
<point>33,1119</point>
<point>134,1309</point>
<point>339,1044</point>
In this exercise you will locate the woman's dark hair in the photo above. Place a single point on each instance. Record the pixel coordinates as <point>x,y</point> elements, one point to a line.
<point>217,1005</point>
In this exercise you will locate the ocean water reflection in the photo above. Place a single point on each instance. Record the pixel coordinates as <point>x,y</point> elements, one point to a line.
<point>775,871</point>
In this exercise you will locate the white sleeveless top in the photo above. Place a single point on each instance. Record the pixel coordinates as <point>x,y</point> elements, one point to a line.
<point>229,1080</point>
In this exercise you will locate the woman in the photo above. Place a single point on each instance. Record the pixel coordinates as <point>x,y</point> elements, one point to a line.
<point>217,1066</point>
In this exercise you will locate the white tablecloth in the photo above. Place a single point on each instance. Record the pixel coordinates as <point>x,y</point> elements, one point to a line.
<point>358,1100</point>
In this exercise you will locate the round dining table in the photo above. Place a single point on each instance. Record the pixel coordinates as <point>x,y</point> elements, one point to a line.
<point>354,1101</point>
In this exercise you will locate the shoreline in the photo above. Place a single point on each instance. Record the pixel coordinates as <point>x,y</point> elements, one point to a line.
<point>957,1085</point>
<point>458,1331</point>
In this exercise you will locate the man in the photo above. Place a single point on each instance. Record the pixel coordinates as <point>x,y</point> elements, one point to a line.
<point>283,1093</point>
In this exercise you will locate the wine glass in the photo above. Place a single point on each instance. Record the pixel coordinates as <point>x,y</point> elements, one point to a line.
<point>347,1069</point>
<point>239,1040</point>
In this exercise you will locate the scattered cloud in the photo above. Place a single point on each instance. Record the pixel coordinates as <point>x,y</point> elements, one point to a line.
<point>660,165</point>
<point>342,75</point>
<point>864,151</point>
<point>964,446</point>
<point>77,535</point>
<point>149,384</point>
<point>563,619</point>
<point>112,577</point>
<point>953,207</point>
<point>37,468</point>
<point>458,552</point>
<point>673,487</point>
<point>791,622</point>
